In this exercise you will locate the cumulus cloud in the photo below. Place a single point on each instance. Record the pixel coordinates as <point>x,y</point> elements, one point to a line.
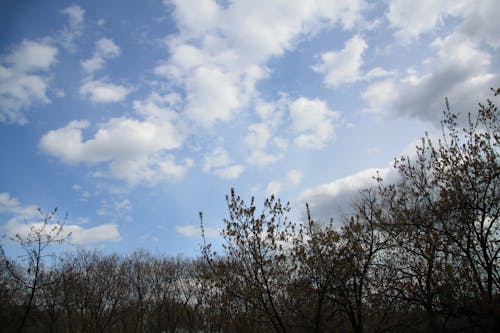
<point>135,149</point>
<point>334,199</point>
<point>100,233</point>
<point>273,188</point>
<point>24,217</point>
<point>76,18</point>
<point>78,234</point>
<point>411,19</point>
<point>379,96</point>
<point>293,178</point>
<point>194,231</point>
<point>313,121</point>
<point>103,92</point>
<point>343,66</point>
<point>219,163</point>
<point>118,138</point>
<point>331,199</point>
<point>13,206</point>
<point>105,49</point>
<point>24,78</point>
<point>481,21</point>
<point>265,146</point>
<point>220,51</point>
<point>459,70</point>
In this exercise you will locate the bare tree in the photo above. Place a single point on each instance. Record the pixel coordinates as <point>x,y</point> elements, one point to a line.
<point>254,270</point>
<point>35,245</point>
<point>462,190</point>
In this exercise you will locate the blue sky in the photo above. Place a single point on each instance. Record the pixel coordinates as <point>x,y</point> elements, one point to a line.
<point>133,116</point>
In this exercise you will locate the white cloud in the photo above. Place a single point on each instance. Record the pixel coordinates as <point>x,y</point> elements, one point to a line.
<point>193,231</point>
<point>261,135</point>
<point>379,96</point>
<point>219,163</point>
<point>343,66</point>
<point>273,188</point>
<point>460,70</point>
<point>12,206</point>
<point>100,233</point>
<point>103,92</point>
<point>105,49</point>
<point>214,95</point>
<point>24,79</point>
<point>135,150</point>
<point>330,199</point>
<point>294,176</point>
<point>158,107</point>
<point>22,218</point>
<point>116,209</point>
<point>481,21</point>
<point>314,122</point>
<point>262,158</point>
<point>335,199</point>
<point>376,73</point>
<point>76,17</point>
<point>414,18</point>
<point>32,56</point>
<point>79,235</point>
<point>84,195</point>
<point>221,51</point>
<point>149,168</point>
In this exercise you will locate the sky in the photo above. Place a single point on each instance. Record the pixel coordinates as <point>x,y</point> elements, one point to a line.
<point>131,117</point>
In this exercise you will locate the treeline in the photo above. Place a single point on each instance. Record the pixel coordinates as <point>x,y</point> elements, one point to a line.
<point>417,255</point>
<point>92,292</point>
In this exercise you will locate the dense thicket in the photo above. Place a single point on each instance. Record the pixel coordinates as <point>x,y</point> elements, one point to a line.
<point>418,255</point>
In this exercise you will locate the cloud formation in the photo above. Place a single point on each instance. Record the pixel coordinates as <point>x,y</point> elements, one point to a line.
<point>293,178</point>
<point>333,199</point>
<point>220,164</point>
<point>263,139</point>
<point>221,51</point>
<point>313,121</point>
<point>76,18</point>
<point>194,231</point>
<point>105,49</point>
<point>99,91</point>
<point>343,66</point>
<point>22,218</point>
<point>135,149</point>
<point>459,70</point>
<point>24,78</point>
<point>411,19</point>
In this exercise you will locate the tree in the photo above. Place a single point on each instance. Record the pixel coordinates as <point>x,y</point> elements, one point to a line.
<point>462,190</point>
<point>420,261</point>
<point>362,246</point>
<point>313,293</point>
<point>255,269</point>
<point>443,218</point>
<point>35,244</point>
